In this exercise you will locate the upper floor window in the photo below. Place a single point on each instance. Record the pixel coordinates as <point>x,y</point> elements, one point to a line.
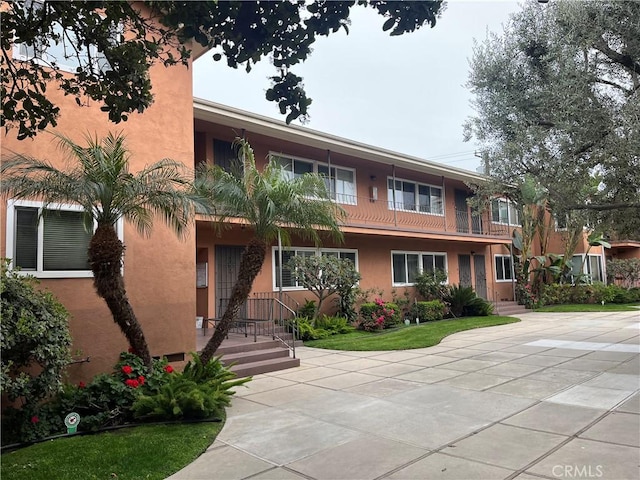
<point>340,181</point>
<point>225,154</point>
<point>414,197</point>
<point>62,49</point>
<point>288,280</point>
<point>406,266</point>
<point>504,211</point>
<point>48,243</point>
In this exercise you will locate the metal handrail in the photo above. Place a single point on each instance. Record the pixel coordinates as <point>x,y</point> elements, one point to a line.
<point>259,313</point>
<point>292,346</point>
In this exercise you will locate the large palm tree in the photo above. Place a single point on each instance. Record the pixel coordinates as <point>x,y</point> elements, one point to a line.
<point>272,206</point>
<point>98,179</point>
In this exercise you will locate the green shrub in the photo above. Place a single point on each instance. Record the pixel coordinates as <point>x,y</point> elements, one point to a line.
<point>106,401</point>
<point>478,307</point>
<point>463,302</point>
<point>378,315</point>
<point>333,325</point>
<point>431,285</point>
<point>558,294</point>
<point>347,289</point>
<point>428,311</point>
<point>625,271</point>
<point>307,331</point>
<point>34,338</point>
<point>201,391</point>
<point>458,298</point>
<point>308,310</point>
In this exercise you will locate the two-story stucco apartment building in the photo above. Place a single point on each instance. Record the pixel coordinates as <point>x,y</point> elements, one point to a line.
<point>405,215</point>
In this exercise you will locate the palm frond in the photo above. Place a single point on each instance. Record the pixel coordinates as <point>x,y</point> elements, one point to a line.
<point>97,178</point>
<point>268,201</point>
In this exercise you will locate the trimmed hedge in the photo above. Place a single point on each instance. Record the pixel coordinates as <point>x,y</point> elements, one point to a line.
<point>557,294</point>
<point>428,311</point>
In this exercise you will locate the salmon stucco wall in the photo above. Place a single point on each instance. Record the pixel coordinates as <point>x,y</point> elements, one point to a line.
<point>374,262</point>
<point>159,271</point>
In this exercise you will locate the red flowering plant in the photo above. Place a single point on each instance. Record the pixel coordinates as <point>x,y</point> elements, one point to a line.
<point>104,401</point>
<point>135,375</point>
<point>378,315</point>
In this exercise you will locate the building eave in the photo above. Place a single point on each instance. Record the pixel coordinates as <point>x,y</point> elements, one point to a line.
<point>240,119</point>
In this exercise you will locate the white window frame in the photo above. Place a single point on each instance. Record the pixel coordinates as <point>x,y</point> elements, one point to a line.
<point>586,267</point>
<point>41,57</point>
<point>420,254</point>
<point>398,205</point>
<point>511,270</point>
<point>316,251</point>
<point>39,272</point>
<point>338,197</point>
<point>510,205</point>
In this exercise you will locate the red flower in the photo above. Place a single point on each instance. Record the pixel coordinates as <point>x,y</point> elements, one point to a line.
<point>141,380</point>
<point>35,419</point>
<point>168,369</point>
<point>131,350</point>
<point>132,382</point>
<point>82,385</point>
<point>127,369</point>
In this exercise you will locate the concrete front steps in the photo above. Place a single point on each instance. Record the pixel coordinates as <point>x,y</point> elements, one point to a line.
<point>253,358</point>
<point>510,309</point>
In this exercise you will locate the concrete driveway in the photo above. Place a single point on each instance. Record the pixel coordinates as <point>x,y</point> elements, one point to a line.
<point>554,396</point>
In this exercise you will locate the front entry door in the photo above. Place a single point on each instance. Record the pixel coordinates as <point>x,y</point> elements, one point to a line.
<point>480,276</point>
<point>464,269</point>
<point>227,269</point>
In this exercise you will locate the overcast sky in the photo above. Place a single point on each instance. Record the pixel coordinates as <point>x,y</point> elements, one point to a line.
<point>402,93</point>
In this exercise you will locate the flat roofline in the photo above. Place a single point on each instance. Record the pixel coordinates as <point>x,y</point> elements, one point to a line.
<point>240,119</point>
<point>625,244</point>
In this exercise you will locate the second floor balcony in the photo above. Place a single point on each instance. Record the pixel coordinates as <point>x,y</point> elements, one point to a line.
<point>380,214</point>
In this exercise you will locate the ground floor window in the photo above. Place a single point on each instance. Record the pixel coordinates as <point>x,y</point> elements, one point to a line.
<point>504,268</point>
<point>288,280</point>
<point>48,243</point>
<point>406,266</point>
<point>590,270</point>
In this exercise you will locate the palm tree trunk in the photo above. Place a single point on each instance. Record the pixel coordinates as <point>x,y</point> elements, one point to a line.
<point>250,265</point>
<point>105,257</point>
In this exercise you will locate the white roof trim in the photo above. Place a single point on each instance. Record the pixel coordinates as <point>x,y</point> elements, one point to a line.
<point>241,119</point>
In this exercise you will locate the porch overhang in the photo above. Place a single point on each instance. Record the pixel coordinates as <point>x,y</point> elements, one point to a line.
<point>429,235</point>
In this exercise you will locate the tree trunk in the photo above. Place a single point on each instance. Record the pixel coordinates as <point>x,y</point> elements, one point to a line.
<point>105,257</point>
<point>250,265</point>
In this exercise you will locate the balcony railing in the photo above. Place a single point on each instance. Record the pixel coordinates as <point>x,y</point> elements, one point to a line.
<point>369,213</point>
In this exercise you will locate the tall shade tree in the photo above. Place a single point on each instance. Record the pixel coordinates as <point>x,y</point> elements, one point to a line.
<point>103,49</point>
<point>557,97</point>
<point>97,178</point>
<point>272,205</point>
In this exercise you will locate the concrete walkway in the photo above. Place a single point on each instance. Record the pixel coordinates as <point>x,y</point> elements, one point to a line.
<point>554,396</point>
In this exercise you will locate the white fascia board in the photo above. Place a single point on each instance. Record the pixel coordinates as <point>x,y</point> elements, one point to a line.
<point>241,119</point>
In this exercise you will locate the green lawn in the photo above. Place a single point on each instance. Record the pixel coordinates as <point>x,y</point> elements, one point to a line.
<point>402,338</point>
<point>607,307</point>
<point>146,452</point>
